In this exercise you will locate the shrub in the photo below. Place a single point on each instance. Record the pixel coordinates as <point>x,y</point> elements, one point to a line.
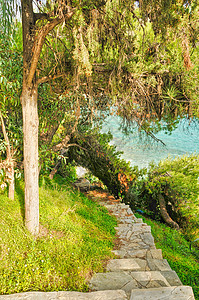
<point>177,181</point>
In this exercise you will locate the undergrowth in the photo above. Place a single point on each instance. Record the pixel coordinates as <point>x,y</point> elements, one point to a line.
<point>76,238</point>
<point>176,249</point>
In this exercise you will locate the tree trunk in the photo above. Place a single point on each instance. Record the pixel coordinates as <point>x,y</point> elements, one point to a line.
<point>11,188</point>
<point>165,214</point>
<point>186,55</point>
<point>9,169</point>
<point>55,169</point>
<point>33,40</point>
<point>31,173</point>
<point>30,121</point>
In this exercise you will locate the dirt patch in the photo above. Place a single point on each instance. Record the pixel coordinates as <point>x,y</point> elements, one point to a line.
<point>46,233</point>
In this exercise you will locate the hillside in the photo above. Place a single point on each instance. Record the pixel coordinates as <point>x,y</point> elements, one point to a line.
<point>75,240</point>
<point>180,254</point>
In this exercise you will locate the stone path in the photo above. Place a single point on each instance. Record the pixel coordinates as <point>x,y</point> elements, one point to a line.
<point>139,269</point>
<point>138,273</point>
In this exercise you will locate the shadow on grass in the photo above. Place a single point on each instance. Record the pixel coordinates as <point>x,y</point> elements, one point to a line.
<point>19,188</point>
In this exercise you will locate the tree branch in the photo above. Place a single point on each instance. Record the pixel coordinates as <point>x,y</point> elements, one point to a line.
<point>39,41</point>
<point>38,44</point>
<point>76,145</point>
<point>48,78</point>
<point>41,16</point>
<point>61,145</point>
<point>154,137</point>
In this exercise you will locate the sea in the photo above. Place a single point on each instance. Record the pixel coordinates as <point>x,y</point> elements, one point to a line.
<point>140,150</point>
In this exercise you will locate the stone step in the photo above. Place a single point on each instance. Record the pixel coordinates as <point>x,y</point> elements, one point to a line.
<point>139,220</point>
<point>166,293</point>
<point>127,281</point>
<point>140,241</point>
<point>125,220</point>
<point>140,253</point>
<point>137,264</point>
<point>132,229</point>
<point>100,295</point>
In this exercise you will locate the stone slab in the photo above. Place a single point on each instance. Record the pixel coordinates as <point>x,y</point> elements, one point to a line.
<point>139,220</point>
<point>126,280</point>
<point>172,278</point>
<point>131,246</point>
<point>165,293</point>
<point>154,253</point>
<point>149,279</point>
<point>139,253</point>
<point>99,295</point>
<point>113,281</point>
<point>137,264</point>
<point>158,264</point>
<point>126,264</point>
<point>120,253</point>
<point>147,238</point>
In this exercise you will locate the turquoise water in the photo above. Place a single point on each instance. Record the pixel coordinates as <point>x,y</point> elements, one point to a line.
<point>141,151</point>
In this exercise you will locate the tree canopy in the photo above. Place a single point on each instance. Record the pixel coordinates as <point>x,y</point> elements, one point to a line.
<point>81,58</point>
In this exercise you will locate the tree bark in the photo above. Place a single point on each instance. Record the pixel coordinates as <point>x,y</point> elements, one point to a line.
<point>30,122</point>
<point>31,172</point>
<point>11,182</point>
<point>9,166</point>
<point>55,169</point>
<point>33,41</point>
<point>165,214</point>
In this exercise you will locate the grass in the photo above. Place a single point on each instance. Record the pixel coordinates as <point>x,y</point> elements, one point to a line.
<point>76,239</point>
<point>176,249</point>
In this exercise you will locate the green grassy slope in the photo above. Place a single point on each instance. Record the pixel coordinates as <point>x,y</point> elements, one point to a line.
<point>176,249</point>
<point>76,239</point>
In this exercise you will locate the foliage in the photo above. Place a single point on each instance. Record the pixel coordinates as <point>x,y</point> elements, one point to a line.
<point>68,171</point>
<point>103,54</point>
<point>107,59</point>
<point>103,160</point>
<point>176,249</point>
<point>10,90</point>
<point>75,239</point>
<point>7,13</point>
<point>177,180</point>
<point>162,87</point>
<point>131,57</point>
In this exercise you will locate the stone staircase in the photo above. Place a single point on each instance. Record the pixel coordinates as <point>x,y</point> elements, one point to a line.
<point>139,271</point>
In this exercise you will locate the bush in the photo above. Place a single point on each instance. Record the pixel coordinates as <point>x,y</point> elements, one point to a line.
<point>177,181</point>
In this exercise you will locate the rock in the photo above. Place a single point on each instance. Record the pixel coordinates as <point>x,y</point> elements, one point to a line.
<point>123,264</point>
<point>172,278</point>
<point>120,253</point>
<point>158,264</point>
<point>113,281</point>
<point>166,293</point>
<point>83,184</point>
<point>137,264</point>
<point>80,171</point>
<point>154,253</point>
<point>149,279</point>
<point>99,295</point>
